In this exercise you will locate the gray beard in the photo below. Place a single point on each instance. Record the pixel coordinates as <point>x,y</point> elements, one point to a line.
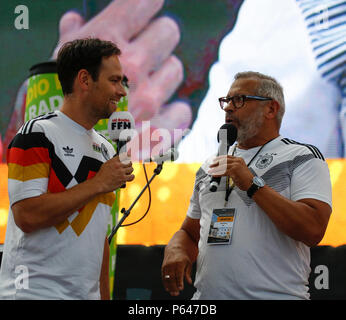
<point>250,127</point>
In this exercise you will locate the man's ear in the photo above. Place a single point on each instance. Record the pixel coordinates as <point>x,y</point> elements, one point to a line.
<point>272,109</point>
<point>83,79</point>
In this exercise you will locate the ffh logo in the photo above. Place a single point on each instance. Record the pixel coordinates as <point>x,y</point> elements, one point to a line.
<point>68,151</point>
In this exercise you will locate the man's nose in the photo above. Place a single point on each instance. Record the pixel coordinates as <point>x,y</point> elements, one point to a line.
<point>229,108</point>
<point>122,91</point>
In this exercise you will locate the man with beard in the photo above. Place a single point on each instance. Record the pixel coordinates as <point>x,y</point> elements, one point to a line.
<point>62,176</point>
<point>251,238</point>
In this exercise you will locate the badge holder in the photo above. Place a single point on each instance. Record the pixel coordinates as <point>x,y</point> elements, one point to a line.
<point>221,226</point>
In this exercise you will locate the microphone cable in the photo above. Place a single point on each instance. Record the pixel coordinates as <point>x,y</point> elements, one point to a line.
<point>146,178</point>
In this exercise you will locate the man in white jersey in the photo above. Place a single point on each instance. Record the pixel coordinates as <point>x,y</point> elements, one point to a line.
<point>253,244</point>
<point>62,177</point>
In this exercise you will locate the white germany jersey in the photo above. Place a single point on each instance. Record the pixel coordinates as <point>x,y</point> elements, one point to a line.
<point>261,262</point>
<point>53,153</point>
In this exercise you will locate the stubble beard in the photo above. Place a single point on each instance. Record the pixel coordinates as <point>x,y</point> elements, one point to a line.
<point>103,112</point>
<point>250,127</point>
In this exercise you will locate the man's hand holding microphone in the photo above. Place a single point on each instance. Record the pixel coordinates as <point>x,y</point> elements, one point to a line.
<point>115,172</point>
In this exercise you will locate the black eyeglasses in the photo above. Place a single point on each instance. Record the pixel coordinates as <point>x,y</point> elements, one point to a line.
<point>239,100</point>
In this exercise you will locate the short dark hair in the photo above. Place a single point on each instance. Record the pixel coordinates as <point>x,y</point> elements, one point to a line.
<point>82,54</point>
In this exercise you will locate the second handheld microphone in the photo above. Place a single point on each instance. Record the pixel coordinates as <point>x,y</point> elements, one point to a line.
<point>226,136</point>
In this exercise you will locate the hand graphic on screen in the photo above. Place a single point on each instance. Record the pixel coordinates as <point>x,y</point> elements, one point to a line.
<point>154,73</point>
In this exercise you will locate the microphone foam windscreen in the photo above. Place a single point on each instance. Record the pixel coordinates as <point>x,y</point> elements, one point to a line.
<point>229,132</point>
<point>121,125</point>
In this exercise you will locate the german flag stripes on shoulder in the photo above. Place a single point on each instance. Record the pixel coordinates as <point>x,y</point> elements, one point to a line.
<point>28,157</point>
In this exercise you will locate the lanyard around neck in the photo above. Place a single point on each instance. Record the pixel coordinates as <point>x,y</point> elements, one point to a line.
<point>229,188</point>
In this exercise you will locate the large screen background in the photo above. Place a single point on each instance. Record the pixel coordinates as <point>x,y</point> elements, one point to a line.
<point>203,24</point>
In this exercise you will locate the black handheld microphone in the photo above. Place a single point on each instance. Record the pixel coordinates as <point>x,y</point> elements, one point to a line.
<point>226,136</point>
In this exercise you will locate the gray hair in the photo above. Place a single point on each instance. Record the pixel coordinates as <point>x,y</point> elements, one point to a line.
<point>267,87</point>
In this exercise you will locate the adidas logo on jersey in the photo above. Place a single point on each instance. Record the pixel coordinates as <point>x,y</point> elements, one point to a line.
<point>68,151</point>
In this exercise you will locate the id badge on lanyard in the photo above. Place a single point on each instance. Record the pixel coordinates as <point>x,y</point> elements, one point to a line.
<point>221,226</point>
